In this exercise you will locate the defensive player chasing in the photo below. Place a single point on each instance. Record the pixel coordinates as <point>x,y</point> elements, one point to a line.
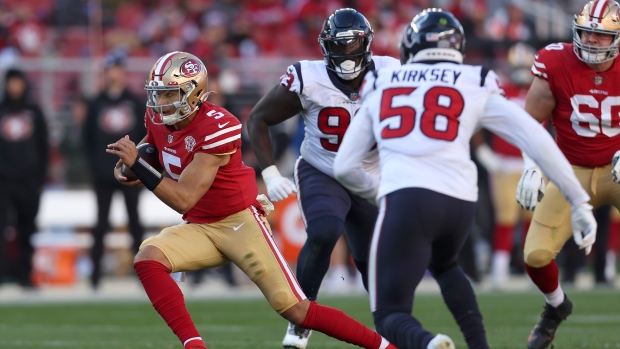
<point>198,144</point>
<point>422,116</point>
<point>326,94</point>
<point>577,84</point>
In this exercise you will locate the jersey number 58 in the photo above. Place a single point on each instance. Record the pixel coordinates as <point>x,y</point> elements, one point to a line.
<point>440,119</point>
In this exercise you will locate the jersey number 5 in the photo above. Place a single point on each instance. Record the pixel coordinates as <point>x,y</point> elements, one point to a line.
<point>169,161</point>
<point>440,119</point>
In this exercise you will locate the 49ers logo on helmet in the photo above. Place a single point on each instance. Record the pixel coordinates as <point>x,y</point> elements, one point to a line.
<point>190,68</point>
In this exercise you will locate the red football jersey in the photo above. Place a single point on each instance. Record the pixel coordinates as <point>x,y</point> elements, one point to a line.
<point>214,130</point>
<point>498,144</point>
<point>586,116</point>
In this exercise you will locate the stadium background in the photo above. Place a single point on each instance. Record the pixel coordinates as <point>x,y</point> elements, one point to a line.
<point>246,45</point>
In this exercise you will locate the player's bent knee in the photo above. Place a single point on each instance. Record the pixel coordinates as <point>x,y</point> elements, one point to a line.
<point>297,313</point>
<point>280,300</point>
<point>324,231</point>
<point>384,321</point>
<point>151,253</point>
<point>539,258</point>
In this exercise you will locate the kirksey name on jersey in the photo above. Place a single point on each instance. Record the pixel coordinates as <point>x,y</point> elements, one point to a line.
<point>328,109</point>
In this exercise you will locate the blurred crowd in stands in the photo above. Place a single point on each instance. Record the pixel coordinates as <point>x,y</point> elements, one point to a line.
<point>78,34</point>
<point>62,45</point>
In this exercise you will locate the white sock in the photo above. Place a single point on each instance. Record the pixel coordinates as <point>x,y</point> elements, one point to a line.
<point>384,343</point>
<point>500,267</point>
<point>610,266</point>
<point>556,297</point>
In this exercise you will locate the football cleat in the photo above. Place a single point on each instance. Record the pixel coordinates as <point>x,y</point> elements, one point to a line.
<point>296,337</point>
<point>441,341</point>
<point>542,334</point>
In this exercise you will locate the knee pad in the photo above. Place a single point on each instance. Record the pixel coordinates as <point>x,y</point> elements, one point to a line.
<point>539,258</point>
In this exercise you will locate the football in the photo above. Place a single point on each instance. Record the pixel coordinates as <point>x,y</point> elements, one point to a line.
<point>148,153</point>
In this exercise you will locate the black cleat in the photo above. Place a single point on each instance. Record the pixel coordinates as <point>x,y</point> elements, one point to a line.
<point>543,333</point>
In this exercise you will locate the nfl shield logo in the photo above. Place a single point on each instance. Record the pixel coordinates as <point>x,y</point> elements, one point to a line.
<point>598,80</point>
<point>190,142</point>
<point>353,96</point>
<point>170,138</point>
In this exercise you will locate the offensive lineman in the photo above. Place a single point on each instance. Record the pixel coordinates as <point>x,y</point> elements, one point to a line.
<point>577,84</point>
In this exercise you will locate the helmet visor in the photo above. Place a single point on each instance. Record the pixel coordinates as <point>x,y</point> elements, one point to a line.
<point>346,49</point>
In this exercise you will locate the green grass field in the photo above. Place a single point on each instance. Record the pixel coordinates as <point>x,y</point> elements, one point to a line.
<point>250,323</point>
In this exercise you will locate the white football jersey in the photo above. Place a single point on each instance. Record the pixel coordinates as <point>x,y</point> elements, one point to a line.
<point>328,108</point>
<point>422,117</point>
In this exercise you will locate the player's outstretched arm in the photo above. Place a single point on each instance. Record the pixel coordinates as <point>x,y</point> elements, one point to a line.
<point>512,123</point>
<point>517,127</point>
<point>276,106</point>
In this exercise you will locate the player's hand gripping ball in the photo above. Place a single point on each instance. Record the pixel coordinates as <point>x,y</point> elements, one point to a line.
<point>148,153</point>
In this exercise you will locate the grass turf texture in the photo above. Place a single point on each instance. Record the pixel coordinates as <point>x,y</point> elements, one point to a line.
<point>250,323</point>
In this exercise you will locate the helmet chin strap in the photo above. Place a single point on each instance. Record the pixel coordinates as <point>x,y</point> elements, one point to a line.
<point>348,71</point>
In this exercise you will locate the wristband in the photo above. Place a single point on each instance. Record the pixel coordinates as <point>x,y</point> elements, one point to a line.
<point>270,173</point>
<point>146,173</point>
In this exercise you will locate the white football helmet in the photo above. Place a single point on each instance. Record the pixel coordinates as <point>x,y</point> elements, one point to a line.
<point>181,72</point>
<point>598,16</point>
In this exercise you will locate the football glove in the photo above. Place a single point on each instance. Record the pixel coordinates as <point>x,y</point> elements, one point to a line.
<point>531,188</point>
<point>278,187</point>
<point>488,158</point>
<point>265,203</point>
<point>584,226</point>
<point>616,169</point>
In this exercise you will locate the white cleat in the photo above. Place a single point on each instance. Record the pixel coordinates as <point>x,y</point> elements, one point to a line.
<point>441,341</point>
<point>296,337</point>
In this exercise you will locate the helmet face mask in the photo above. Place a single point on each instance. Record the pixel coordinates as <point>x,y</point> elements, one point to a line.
<point>169,102</point>
<point>345,40</point>
<point>597,18</point>
<point>176,87</point>
<point>433,35</point>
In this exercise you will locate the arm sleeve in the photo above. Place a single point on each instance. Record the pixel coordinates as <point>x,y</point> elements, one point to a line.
<point>357,141</point>
<point>509,121</point>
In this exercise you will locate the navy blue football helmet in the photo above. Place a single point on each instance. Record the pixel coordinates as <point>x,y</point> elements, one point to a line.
<point>433,35</point>
<point>345,41</point>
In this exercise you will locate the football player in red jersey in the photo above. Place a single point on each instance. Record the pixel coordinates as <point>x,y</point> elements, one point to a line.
<point>199,145</point>
<point>577,84</point>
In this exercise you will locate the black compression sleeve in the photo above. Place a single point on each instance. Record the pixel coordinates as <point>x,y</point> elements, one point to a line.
<point>146,174</point>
